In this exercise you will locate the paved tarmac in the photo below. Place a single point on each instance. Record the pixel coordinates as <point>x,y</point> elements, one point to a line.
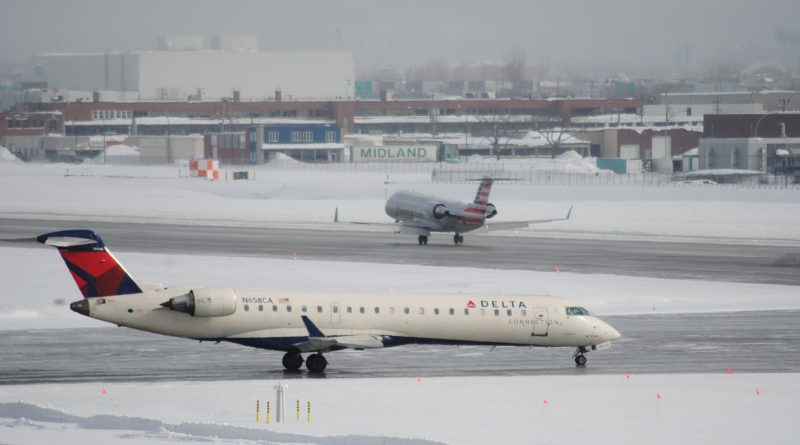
<point>688,343</point>
<point>659,259</point>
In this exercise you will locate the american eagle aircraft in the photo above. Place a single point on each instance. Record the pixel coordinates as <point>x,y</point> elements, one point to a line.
<point>317,323</point>
<point>420,214</point>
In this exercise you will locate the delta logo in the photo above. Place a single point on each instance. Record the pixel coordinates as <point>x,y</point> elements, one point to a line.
<point>498,304</point>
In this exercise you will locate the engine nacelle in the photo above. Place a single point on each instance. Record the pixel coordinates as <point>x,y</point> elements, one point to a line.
<point>491,210</point>
<point>440,211</point>
<point>204,302</point>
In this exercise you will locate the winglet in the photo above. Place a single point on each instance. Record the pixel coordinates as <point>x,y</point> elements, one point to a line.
<point>313,330</point>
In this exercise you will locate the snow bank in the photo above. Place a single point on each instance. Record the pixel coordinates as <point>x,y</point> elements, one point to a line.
<point>696,408</point>
<point>7,156</point>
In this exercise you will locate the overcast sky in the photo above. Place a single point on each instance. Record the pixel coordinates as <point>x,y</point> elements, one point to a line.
<point>573,35</point>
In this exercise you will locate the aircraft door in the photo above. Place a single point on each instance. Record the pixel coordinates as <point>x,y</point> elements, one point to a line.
<point>540,322</point>
<point>335,315</point>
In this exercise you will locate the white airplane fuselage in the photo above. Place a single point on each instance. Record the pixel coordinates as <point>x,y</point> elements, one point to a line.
<point>414,207</point>
<point>271,319</point>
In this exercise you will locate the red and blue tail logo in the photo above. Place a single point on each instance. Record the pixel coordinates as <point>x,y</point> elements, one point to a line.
<point>94,269</point>
<point>482,196</point>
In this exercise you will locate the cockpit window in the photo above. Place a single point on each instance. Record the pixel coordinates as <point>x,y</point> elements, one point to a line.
<point>577,310</point>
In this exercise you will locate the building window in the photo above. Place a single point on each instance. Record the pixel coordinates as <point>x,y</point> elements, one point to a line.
<point>273,136</point>
<point>295,136</point>
<point>330,136</point>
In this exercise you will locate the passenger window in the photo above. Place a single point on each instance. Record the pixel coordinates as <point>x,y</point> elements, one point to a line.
<point>377,310</point>
<point>319,309</point>
<point>523,312</point>
<point>508,312</point>
<point>335,309</point>
<point>497,312</point>
<point>422,311</point>
<point>260,308</point>
<point>274,308</point>
<point>361,309</point>
<point>349,310</point>
<point>303,308</point>
<point>452,311</point>
<point>466,311</point>
<point>406,310</point>
<point>289,308</point>
<point>436,311</point>
<point>246,307</point>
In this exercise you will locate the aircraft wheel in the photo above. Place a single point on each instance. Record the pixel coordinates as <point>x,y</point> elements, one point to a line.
<point>316,363</point>
<point>580,360</point>
<point>292,360</point>
<point>423,240</point>
<point>460,239</point>
<point>456,239</point>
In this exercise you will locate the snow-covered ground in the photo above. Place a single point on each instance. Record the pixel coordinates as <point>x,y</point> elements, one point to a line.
<point>707,408</point>
<point>609,409</point>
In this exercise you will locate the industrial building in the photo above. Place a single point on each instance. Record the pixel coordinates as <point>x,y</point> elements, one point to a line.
<point>175,75</point>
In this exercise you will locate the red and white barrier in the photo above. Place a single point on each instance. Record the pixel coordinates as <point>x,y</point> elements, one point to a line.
<point>204,168</point>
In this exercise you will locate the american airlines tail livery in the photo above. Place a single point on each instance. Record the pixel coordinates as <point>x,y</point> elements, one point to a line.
<point>316,323</point>
<point>419,214</point>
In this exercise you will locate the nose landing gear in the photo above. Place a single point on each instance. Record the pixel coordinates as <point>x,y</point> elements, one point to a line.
<point>422,240</point>
<point>580,358</point>
<point>458,238</point>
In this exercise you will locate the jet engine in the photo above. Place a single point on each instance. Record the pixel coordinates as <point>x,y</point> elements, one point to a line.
<point>440,211</point>
<point>204,302</point>
<point>491,210</point>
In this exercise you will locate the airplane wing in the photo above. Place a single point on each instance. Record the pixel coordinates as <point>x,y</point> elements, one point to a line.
<point>415,227</point>
<point>317,341</point>
<point>511,225</point>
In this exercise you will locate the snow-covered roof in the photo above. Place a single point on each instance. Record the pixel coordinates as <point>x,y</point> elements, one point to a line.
<point>304,146</point>
<point>164,120</point>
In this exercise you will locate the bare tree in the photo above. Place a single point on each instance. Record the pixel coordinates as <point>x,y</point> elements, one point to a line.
<point>515,68</point>
<point>553,129</point>
<point>497,131</point>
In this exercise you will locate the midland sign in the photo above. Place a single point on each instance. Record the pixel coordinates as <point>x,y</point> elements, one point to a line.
<point>395,153</point>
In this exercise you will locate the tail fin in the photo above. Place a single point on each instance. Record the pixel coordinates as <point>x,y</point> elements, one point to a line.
<point>482,197</point>
<point>93,267</point>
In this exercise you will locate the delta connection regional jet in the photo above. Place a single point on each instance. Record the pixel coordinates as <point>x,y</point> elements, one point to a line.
<point>315,322</point>
<point>418,214</point>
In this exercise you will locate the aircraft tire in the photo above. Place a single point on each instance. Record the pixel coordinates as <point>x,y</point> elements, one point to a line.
<point>580,360</point>
<point>316,363</point>
<point>292,360</point>
<point>423,240</point>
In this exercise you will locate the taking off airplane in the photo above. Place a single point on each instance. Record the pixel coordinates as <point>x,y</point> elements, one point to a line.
<point>315,322</point>
<point>419,214</point>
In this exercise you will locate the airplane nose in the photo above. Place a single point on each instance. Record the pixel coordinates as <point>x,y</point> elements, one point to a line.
<point>611,333</point>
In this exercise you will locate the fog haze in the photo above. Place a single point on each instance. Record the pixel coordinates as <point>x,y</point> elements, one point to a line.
<point>577,37</point>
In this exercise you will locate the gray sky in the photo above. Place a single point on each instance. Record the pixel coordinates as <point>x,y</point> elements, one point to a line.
<point>577,36</point>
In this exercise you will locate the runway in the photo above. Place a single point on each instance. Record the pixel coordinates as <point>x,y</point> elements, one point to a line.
<point>680,260</point>
<point>696,343</point>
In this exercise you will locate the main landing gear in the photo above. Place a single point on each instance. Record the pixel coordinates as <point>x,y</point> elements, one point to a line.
<point>422,240</point>
<point>580,359</point>
<point>458,238</point>
<point>315,363</point>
